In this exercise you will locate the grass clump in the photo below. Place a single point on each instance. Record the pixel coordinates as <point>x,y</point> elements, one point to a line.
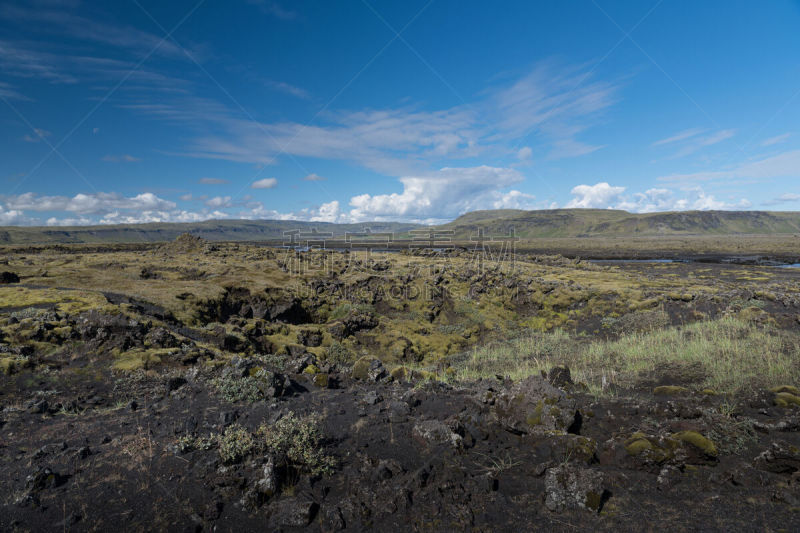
<point>731,355</point>
<point>298,441</point>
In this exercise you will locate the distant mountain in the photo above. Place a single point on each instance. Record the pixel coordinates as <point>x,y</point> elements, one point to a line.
<point>615,223</point>
<point>527,225</point>
<point>212,230</point>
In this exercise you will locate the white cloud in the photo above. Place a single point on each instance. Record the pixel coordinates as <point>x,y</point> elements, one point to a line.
<point>219,202</point>
<point>571,148</point>
<point>39,135</point>
<point>775,140</point>
<point>287,88</point>
<point>545,105</point>
<point>266,183</point>
<point>786,164</point>
<point>124,158</point>
<point>80,221</point>
<point>88,204</point>
<point>186,197</point>
<point>603,195</point>
<point>13,217</point>
<point>600,195</point>
<point>680,136</point>
<point>444,194</point>
<point>524,153</point>
<point>212,181</point>
<point>314,177</point>
<point>785,198</point>
<point>698,143</point>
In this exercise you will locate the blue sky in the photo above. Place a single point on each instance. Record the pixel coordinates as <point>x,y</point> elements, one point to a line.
<point>349,111</point>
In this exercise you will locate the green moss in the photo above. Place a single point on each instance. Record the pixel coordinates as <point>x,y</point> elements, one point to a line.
<point>670,390</point>
<point>399,373</point>
<point>361,367</point>
<point>593,501</point>
<point>139,359</point>
<point>709,392</point>
<point>786,399</point>
<point>698,441</point>
<point>7,365</point>
<point>638,446</point>
<point>321,380</point>
<point>786,388</point>
<point>535,418</point>
<point>311,369</point>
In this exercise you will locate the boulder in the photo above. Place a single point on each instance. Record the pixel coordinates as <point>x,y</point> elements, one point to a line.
<point>570,487</point>
<point>534,406</point>
<point>436,432</point>
<point>294,512</point>
<point>8,278</point>
<point>369,369</point>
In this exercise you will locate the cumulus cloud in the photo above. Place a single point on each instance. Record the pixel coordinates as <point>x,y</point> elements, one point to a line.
<point>314,177</point>
<point>266,183</point>
<point>219,202</point>
<point>212,181</point>
<point>80,221</point>
<point>447,193</point>
<point>13,217</point>
<point>600,195</point>
<point>604,196</point>
<point>87,204</point>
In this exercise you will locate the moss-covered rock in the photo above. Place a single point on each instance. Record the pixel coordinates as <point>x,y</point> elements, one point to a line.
<point>321,380</point>
<point>368,369</point>
<point>698,441</point>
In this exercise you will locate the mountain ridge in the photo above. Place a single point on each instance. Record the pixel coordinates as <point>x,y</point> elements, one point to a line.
<point>554,223</point>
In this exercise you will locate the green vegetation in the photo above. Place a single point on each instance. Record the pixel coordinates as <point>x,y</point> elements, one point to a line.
<point>235,444</point>
<point>727,355</point>
<point>239,389</point>
<point>299,441</point>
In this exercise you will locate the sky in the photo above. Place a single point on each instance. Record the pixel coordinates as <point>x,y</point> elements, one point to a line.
<point>357,110</point>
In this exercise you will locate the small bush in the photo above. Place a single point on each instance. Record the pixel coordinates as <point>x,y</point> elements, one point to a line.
<point>298,442</point>
<point>235,389</point>
<point>189,443</point>
<point>235,444</point>
<point>338,353</point>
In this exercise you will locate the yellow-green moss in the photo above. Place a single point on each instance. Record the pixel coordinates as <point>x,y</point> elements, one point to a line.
<point>311,369</point>
<point>399,373</point>
<point>361,367</point>
<point>670,390</point>
<point>786,399</point>
<point>697,440</point>
<point>321,380</point>
<point>786,388</point>
<point>638,446</point>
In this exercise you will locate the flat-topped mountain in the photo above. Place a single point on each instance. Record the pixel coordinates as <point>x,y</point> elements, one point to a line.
<point>551,223</point>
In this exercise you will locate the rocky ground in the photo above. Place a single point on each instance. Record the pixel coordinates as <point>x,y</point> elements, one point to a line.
<point>116,414</point>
